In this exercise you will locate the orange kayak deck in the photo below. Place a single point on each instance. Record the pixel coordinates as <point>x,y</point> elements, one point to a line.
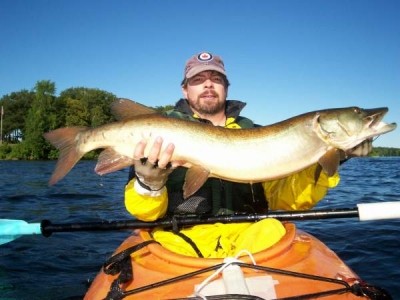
<point>297,252</point>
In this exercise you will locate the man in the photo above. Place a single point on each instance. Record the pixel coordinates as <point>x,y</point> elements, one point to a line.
<point>155,185</point>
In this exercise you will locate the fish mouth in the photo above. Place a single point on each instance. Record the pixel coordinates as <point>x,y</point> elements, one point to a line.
<point>373,121</point>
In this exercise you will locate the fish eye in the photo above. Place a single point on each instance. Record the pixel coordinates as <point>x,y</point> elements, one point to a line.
<point>357,110</point>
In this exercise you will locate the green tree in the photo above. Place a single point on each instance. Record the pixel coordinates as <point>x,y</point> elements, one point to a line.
<point>385,151</point>
<point>86,107</point>
<point>16,106</point>
<point>41,118</point>
<point>165,108</point>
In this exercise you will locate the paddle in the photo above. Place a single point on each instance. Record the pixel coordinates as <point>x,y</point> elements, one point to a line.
<point>12,229</point>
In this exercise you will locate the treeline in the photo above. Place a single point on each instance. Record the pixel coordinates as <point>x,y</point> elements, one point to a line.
<point>385,151</point>
<point>28,114</point>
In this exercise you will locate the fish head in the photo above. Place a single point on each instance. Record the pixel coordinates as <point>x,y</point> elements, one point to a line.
<point>345,128</point>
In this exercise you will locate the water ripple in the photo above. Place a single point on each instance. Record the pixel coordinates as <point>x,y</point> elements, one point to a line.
<point>34,267</point>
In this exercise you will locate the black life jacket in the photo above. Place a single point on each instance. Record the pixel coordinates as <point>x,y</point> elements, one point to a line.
<point>216,196</point>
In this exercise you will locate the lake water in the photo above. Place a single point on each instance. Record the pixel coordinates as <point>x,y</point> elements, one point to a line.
<point>62,266</point>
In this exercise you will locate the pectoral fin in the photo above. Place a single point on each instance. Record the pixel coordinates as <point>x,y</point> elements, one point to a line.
<point>196,176</point>
<point>111,161</point>
<point>317,173</point>
<point>330,162</point>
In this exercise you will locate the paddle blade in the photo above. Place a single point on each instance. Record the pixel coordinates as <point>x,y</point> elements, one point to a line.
<point>379,210</point>
<point>13,229</point>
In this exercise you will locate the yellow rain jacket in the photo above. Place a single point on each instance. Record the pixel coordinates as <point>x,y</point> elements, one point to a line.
<point>296,192</point>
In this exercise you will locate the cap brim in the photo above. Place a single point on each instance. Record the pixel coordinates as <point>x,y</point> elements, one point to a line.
<point>201,68</point>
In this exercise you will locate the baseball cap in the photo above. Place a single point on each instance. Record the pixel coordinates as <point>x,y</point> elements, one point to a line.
<point>203,61</point>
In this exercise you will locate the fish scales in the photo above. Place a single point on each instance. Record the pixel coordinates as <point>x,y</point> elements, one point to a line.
<point>244,155</point>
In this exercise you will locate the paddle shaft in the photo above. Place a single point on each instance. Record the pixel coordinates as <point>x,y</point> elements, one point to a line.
<point>48,228</point>
<point>12,229</point>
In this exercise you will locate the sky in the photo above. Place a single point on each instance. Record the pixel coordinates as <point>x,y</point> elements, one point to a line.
<point>283,58</point>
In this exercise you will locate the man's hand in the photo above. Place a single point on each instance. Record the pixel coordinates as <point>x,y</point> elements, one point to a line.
<point>362,149</point>
<point>152,171</point>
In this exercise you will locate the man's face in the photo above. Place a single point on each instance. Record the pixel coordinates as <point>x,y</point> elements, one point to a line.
<point>206,92</point>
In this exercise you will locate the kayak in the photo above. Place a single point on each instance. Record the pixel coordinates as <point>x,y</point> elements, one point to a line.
<point>299,266</point>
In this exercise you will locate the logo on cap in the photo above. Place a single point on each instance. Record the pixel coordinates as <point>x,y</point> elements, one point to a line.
<point>205,56</point>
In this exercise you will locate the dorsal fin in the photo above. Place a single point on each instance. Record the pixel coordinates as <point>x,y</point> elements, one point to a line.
<point>125,109</point>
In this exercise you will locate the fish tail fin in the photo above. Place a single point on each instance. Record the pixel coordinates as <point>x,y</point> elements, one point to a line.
<point>65,140</point>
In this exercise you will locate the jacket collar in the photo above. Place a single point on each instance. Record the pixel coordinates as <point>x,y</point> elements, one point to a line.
<point>232,108</point>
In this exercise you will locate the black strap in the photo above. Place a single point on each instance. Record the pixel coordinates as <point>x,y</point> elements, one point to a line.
<point>370,291</point>
<point>121,263</point>
<point>115,263</point>
<point>190,242</point>
<point>145,186</point>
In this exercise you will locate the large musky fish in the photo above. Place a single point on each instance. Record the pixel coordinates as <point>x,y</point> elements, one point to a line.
<point>246,155</point>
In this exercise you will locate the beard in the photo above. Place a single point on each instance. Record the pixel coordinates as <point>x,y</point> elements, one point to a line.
<point>209,106</point>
